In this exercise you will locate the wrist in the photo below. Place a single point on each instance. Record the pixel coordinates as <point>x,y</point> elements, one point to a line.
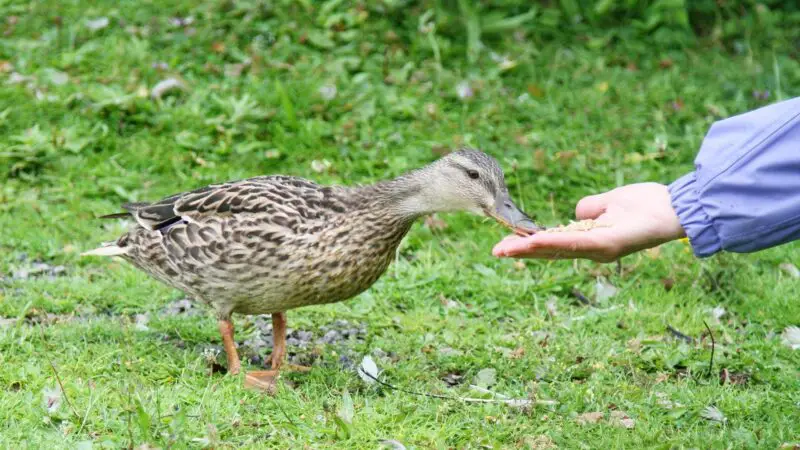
<point>692,217</point>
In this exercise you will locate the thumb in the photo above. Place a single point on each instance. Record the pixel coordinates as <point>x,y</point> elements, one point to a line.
<point>591,207</point>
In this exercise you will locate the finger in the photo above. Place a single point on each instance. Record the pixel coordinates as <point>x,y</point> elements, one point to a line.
<point>591,207</point>
<point>568,245</point>
<point>506,242</point>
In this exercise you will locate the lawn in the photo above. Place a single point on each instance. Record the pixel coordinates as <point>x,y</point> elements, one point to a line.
<point>132,101</point>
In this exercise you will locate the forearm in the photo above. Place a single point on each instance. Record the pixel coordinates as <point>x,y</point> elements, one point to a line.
<point>744,195</point>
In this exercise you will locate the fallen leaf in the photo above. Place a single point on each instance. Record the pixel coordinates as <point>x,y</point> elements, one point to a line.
<point>141,322</point>
<point>164,86</point>
<point>218,47</point>
<point>97,24</point>
<point>393,444</point>
<point>540,442</point>
<point>791,337</point>
<point>368,371</point>
<point>665,63</point>
<point>621,419</point>
<point>320,166</point>
<point>734,378</point>
<point>602,87</point>
<point>518,353</point>
<point>713,414</point>
<point>663,400</point>
<point>604,290</point>
<point>453,379</point>
<point>790,269</point>
<point>448,303</point>
<point>590,417</point>
<point>791,445</point>
<point>660,378</point>
<point>6,66</point>
<point>51,398</point>
<point>486,378</point>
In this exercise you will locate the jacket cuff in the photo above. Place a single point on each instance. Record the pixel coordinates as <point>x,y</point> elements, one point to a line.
<point>694,220</point>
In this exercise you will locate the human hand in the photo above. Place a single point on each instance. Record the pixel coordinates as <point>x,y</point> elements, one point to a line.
<point>630,218</point>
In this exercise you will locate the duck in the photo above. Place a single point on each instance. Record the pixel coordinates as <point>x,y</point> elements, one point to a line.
<point>270,244</point>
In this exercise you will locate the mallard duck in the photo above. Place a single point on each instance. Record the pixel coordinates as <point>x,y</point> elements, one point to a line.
<point>269,244</point>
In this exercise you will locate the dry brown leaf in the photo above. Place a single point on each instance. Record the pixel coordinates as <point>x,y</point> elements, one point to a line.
<point>635,345</point>
<point>518,353</point>
<point>218,47</point>
<point>540,442</point>
<point>734,378</point>
<point>621,419</point>
<point>590,417</point>
<point>660,378</point>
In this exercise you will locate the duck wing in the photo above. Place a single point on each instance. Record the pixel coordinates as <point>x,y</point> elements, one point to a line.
<point>283,199</point>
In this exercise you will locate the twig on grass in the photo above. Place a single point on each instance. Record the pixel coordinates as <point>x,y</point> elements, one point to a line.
<point>713,344</point>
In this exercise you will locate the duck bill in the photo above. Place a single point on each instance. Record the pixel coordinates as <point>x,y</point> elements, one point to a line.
<point>507,213</point>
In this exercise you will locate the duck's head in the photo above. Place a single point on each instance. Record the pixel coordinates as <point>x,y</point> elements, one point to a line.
<point>470,180</point>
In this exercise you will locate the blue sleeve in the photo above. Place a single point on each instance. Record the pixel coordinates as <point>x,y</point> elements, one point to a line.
<point>744,194</point>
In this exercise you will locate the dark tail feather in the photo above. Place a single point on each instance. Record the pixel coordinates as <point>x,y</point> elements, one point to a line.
<point>131,207</point>
<point>115,216</point>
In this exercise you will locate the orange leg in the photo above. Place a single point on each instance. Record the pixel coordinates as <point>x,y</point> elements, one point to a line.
<point>278,339</point>
<point>226,330</point>
<point>265,379</point>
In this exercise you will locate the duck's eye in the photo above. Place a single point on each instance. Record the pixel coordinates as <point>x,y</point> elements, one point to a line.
<point>473,174</point>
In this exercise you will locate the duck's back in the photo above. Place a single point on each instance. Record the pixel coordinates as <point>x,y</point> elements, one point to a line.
<point>263,245</point>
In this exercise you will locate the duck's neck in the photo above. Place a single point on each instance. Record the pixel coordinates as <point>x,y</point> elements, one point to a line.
<point>409,196</point>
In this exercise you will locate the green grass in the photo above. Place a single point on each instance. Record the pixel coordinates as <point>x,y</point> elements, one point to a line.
<point>80,135</point>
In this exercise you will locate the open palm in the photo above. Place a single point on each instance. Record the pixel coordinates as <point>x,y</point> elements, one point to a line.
<point>630,218</point>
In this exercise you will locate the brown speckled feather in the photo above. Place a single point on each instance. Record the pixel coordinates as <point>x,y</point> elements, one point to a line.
<point>265,244</point>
